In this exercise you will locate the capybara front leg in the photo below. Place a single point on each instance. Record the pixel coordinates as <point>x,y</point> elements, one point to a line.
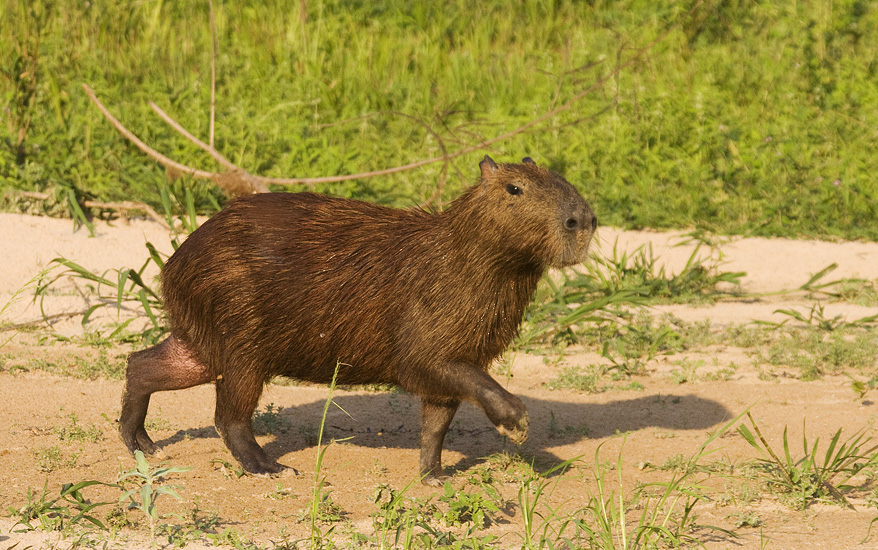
<point>236,400</point>
<point>505,410</point>
<point>171,365</point>
<point>435,418</point>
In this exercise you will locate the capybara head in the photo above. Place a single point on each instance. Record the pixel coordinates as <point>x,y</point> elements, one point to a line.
<point>539,217</point>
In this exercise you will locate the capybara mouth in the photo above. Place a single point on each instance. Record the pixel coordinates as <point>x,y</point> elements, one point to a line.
<point>572,255</point>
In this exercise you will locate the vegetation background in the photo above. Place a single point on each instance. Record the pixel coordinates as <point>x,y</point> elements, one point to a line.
<point>748,117</point>
<point>752,117</point>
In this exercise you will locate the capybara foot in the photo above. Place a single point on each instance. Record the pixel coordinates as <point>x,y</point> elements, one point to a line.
<point>432,480</point>
<point>263,467</point>
<point>141,442</point>
<point>516,433</point>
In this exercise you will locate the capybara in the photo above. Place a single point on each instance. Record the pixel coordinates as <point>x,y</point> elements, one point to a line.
<point>293,284</point>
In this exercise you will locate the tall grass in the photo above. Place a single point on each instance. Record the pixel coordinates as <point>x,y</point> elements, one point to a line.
<point>754,118</point>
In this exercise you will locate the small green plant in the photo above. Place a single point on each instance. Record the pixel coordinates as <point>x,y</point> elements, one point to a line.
<point>156,422</point>
<point>16,296</point>
<point>541,529</point>
<point>722,373</point>
<point>323,511</point>
<point>815,352</point>
<point>231,537</point>
<point>195,527</point>
<point>270,421</point>
<point>559,316</point>
<point>102,366</point>
<point>813,477</point>
<point>664,510</point>
<point>309,434</point>
<point>817,319</point>
<point>145,490</point>
<point>746,519</point>
<point>686,371</point>
<point>69,508</point>
<point>280,492</point>
<point>638,343</point>
<point>83,367</point>
<point>475,508</point>
<point>639,271</point>
<point>504,467</point>
<point>858,291</point>
<point>399,515</point>
<point>862,388</point>
<point>676,462</point>
<point>229,470</point>
<point>583,379</point>
<point>76,432</point>
<point>50,459</point>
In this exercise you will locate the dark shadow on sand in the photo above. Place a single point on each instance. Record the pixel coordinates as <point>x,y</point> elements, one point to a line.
<point>392,420</point>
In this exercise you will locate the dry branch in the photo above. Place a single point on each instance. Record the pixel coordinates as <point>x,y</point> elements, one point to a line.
<point>124,206</point>
<point>237,182</point>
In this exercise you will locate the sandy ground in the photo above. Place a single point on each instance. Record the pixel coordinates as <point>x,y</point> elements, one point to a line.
<point>662,421</point>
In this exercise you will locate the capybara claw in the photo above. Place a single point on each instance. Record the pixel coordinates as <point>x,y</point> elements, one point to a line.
<point>518,434</point>
<point>431,480</point>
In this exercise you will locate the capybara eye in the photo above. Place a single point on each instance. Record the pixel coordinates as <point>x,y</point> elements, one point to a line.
<point>513,189</point>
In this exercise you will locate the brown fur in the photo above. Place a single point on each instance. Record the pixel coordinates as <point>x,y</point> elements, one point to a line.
<point>292,284</point>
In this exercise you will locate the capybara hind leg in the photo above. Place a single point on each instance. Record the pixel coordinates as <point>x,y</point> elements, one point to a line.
<point>170,365</point>
<point>435,419</point>
<point>236,400</point>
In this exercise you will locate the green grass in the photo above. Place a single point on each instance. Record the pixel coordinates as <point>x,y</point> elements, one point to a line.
<point>815,354</point>
<point>816,475</point>
<point>50,514</point>
<point>74,431</point>
<point>86,366</point>
<point>658,513</point>
<point>747,118</point>
<point>270,421</point>
<point>583,379</point>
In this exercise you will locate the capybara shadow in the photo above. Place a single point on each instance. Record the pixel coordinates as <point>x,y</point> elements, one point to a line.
<point>382,420</point>
<point>320,288</point>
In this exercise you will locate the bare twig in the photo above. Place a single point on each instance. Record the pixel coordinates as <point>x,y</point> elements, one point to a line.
<point>41,320</point>
<point>160,158</point>
<point>129,205</point>
<point>236,181</point>
<point>223,161</point>
<point>33,195</point>
<point>121,206</point>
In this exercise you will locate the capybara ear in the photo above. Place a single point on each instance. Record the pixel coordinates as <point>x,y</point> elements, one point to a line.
<point>528,160</point>
<point>487,165</point>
